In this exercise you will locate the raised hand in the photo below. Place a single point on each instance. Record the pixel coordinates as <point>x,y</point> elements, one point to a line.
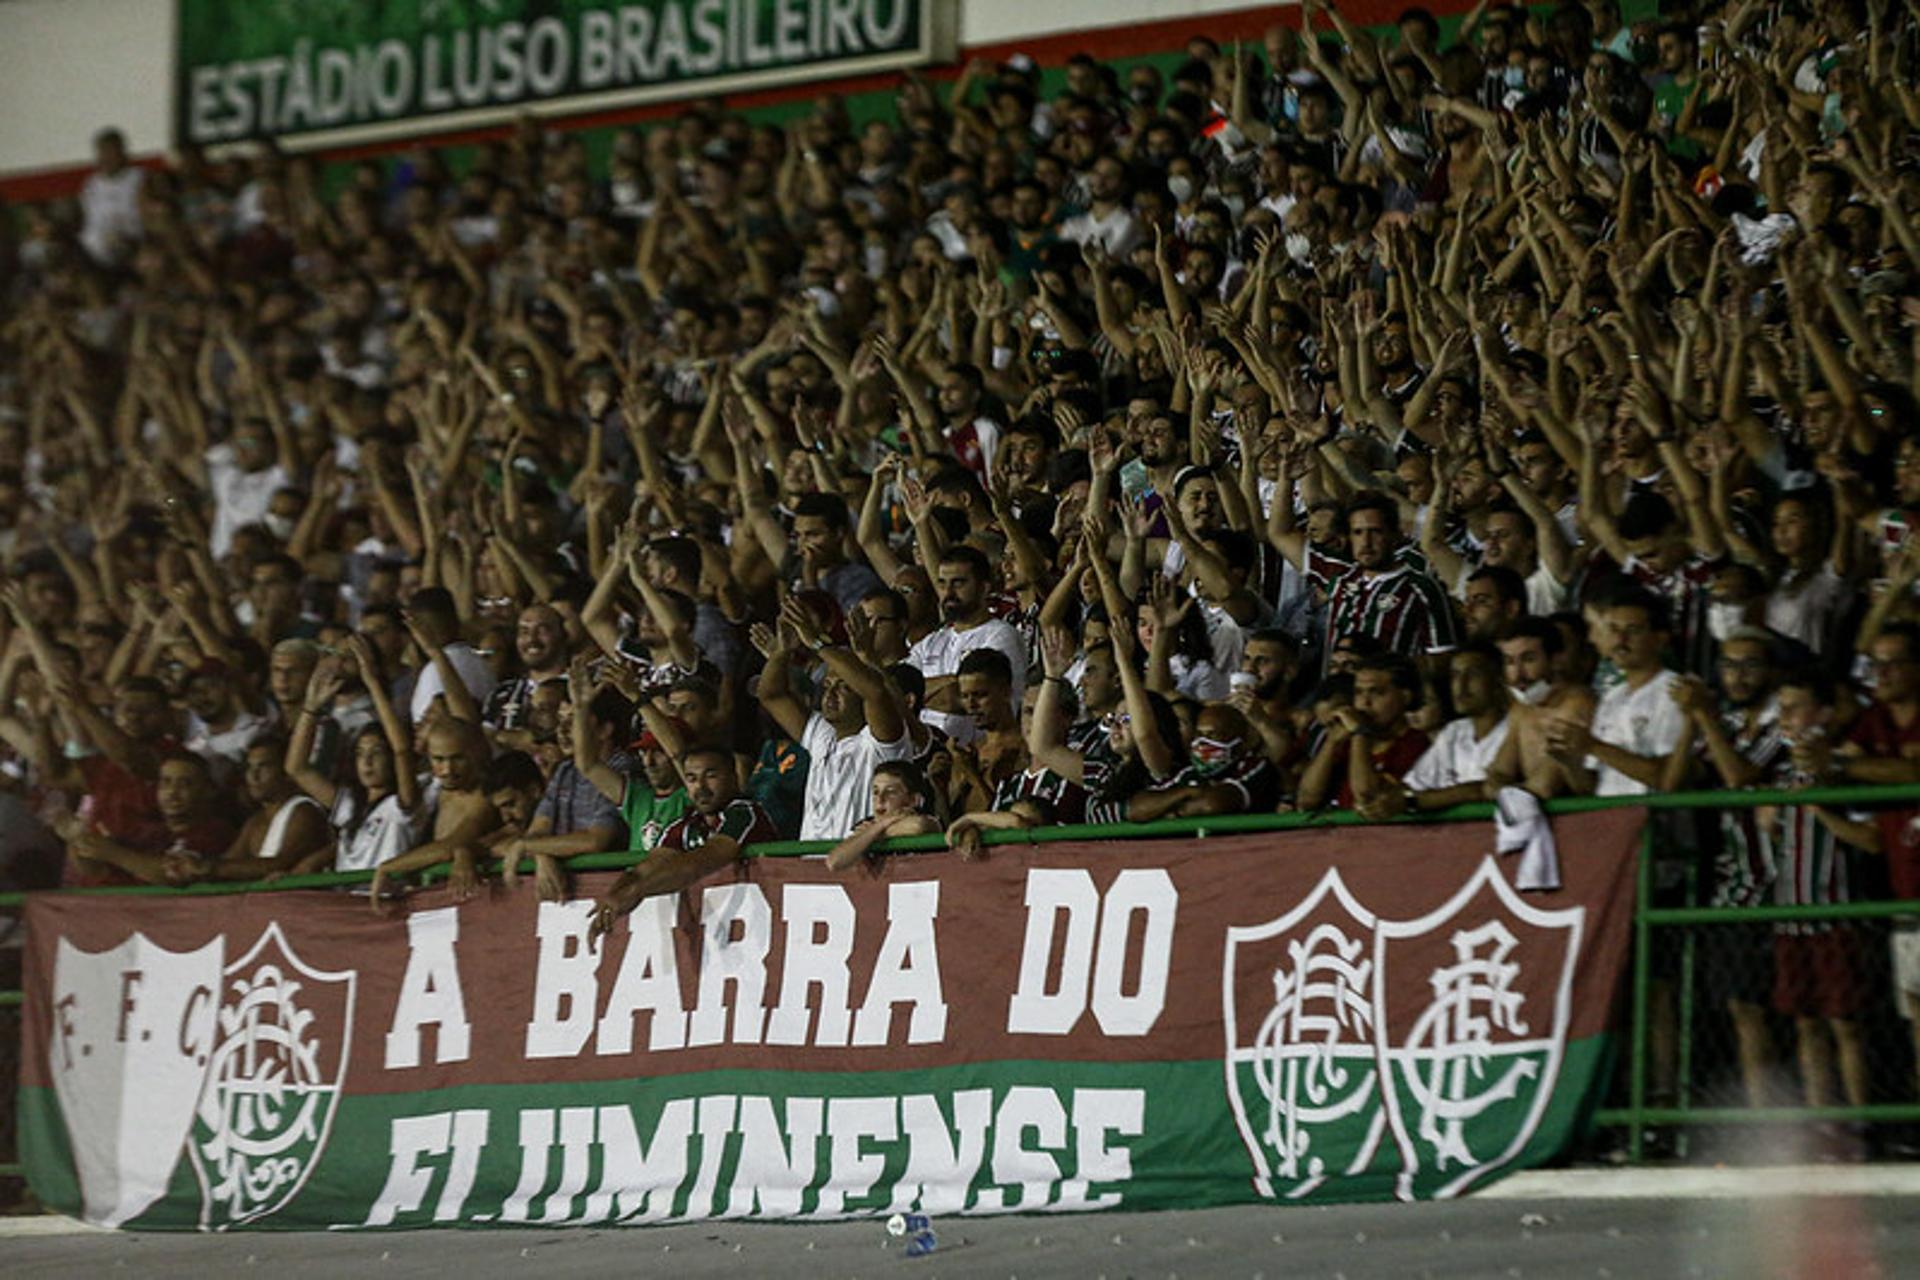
<point>365,661</point>
<point>1057,649</point>
<point>916,499</point>
<point>329,677</point>
<point>802,622</point>
<point>1170,605</point>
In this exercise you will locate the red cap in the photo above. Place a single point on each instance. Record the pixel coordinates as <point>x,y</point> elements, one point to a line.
<point>649,739</point>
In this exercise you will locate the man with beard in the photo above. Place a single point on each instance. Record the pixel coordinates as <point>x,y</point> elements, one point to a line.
<point>1026,451</point>
<point>955,414</point>
<point>858,726</point>
<point>1735,740</point>
<point>1636,725</point>
<point>1370,745</point>
<point>1455,767</point>
<point>190,832</point>
<point>723,823</point>
<point>219,726</point>
<point>1530,653</point>
<point>1396,376</point>
<point>963,588</point>
<point>1372,591</point>
<point>1031,234</point>
<point>1163,452</point>
<point>1108,218</point>
<point>540,640</point>
<point>1493,600</point>
<point>1268,666</point>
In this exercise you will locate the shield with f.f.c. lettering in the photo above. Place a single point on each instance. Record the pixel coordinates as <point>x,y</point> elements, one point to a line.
<point>133,1031</point>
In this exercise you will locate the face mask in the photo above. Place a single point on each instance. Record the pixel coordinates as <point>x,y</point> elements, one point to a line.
<point>1533,695</point>
<point>1141,94</point>
<point>625,192</point>
<point>1211,755</point>
<point>1515,77</point>
<point>1180,187</point>
<point>279,526</point>
<point>1724,619</point>
<point>1236,205</point>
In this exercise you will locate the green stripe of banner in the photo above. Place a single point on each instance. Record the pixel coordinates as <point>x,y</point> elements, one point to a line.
<point>1052,1135</point>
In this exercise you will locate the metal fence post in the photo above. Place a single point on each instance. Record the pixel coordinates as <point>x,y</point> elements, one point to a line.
<point>1642,978</point>
<point>1683,1070</point>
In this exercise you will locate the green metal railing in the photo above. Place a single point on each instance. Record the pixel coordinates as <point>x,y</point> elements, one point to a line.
<point>1636,1116</point>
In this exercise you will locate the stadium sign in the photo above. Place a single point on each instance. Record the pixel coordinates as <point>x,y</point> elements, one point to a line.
<point>325,72</point>
<point>1299,1017</point>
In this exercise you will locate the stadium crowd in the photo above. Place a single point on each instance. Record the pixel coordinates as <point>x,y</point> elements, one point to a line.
<point>1361,421</point>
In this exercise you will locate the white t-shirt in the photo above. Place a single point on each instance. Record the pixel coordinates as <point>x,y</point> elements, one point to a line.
<point>1456,756</point>
<point>840,776</point>
<point>226,749</point>
<point>110,213</point>
<point>1118,232</point>
<point>473,671</point>
<point>1546,594</point>
<point>386,833</point>
<point>1645,721</point>
<point>1803,608</point>
<point>240,498</point>
<point>939,654</point>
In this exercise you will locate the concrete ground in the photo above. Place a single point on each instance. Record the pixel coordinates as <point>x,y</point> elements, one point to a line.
<point>1808,1222</point>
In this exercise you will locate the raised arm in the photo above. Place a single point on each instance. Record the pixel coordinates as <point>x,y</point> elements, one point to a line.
<point>883,710</point>
<point>324,685</point>
<point>460,701</point>
<point>1155,752</point>
<point>406,778</point>
<point>775,686</point>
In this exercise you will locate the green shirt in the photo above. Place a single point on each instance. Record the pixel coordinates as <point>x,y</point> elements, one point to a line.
<point>649,815</point>
<point>779,783</point>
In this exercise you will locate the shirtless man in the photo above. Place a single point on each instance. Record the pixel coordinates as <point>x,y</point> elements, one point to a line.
<point>1528,649</point>
<point>287,829</point>
<point>457,755</point>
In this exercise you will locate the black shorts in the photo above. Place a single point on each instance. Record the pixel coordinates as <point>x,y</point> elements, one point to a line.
<point>1734,962</point>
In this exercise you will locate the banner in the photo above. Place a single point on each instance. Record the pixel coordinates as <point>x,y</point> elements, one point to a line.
<point>323,72</point>
<point>1311,1016</point>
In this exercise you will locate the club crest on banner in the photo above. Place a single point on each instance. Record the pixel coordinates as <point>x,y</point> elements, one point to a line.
<point>273,1084</point>
<point>1445,1033</point>
<point>153,1051</point>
